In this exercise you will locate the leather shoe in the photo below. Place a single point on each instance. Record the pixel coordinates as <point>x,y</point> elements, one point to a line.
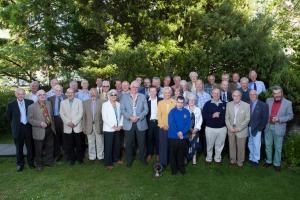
<point>20,168</point>
<point>267,165</point>
<point>277,168</point>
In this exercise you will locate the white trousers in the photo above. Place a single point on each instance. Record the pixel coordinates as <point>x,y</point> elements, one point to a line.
<point>96,145</point>
<point>215,137</point>
<point>254,144</point>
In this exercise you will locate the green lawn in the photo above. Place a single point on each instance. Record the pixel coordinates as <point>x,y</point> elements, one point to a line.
<point>93,181</point>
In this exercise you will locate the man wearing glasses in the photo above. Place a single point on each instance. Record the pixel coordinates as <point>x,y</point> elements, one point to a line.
<point>40,116</point>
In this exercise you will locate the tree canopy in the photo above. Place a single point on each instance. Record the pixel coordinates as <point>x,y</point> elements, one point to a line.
<point>122,39</point>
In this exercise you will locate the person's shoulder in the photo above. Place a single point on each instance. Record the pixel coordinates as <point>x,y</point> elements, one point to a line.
<point>287,101</point>
<point>28,101</point>
<point>12,102</point>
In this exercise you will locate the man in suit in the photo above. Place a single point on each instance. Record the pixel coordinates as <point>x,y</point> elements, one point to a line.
<point>59,126</point>
<point>105,89</point>
<point>258,120</point>
<point>134,109</point>
<point>280,112</point>
<point>237,118</point>
<point>21,130</point>
<point>225,93</point>
<point>40,117</point>
<point>153,131</point>
<point>53,83</point>
<point>146,88</point>
<point>34,87</point>
<point>71,114</point>
<point>92,125</point>
<point>244,89</point>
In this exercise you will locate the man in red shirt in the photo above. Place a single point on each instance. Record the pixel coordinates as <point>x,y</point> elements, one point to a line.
<point>280,112</point>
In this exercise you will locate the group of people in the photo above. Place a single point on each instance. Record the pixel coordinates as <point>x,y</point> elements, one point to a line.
<point>168,123</point>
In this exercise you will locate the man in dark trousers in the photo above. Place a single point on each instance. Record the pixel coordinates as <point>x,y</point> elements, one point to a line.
<point>179,121</point>
<point>153,131</point>
<point>21,129</point>
<point>59,125</point>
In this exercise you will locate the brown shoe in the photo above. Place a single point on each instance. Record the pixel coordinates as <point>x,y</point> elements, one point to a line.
<point>120,162</point>
<point>109,168</point>
<point>157,158</point>
<point>149,157</point>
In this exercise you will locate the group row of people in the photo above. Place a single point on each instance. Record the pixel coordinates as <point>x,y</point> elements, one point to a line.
<point>170,122</point>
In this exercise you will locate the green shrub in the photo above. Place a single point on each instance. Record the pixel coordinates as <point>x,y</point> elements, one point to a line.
<point>6,95</point>
<point>291,149</point>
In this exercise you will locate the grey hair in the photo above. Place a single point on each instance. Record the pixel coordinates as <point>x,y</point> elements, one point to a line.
<point>244,79</point>
<point>276,87</point>
<point>167,88</point>
<point>105,82</point>
<point>34,82</point>
<point>155,78</point>
<point>193,74</point>
<point>193,96</point>
<point>112,91</point>
<point>237,91</point>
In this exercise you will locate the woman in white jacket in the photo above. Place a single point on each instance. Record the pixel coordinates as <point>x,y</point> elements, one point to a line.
<point>196,122</point>
<point>112,124</point>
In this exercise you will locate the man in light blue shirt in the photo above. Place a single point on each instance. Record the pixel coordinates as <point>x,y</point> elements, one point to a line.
<point>259,86</point>
<point>201,95</point>
<point>84,93</point>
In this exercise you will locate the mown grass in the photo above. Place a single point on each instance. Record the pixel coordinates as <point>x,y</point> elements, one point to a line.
<point>93,181</point>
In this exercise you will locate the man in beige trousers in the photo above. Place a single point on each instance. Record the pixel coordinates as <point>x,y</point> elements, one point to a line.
<point>237,118</point>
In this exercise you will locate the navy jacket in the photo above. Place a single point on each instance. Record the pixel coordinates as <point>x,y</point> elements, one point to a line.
<point>179,120</point>
<point>259,117</point>
<point>149,108</point>
<point>14,115</point>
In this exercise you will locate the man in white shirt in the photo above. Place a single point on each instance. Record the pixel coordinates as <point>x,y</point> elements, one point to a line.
<point>34,87</point>
<point>259,86</point>
<point>153,131</point>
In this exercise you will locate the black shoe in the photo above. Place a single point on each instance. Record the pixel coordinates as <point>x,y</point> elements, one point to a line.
<point>277,168</point>
<point>267,165</point>
<point>31,166</point>
<point>182,172</point>
<point>58,157</point>
<point>71,163</point>
<point>80,162</point>
<point>52,164</point>
<point>129,165</point>
<point>20,168</point>
<point>254,164</point>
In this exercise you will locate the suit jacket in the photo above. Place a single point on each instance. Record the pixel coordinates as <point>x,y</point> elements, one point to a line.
<point>13,115</point>
<point>109,116</point>
<point>52,101</point>
<point>71,114</point>
<point>229,96</point>
<point>35,117</point>
<point>141,111</point>
<point>29,96</point>
<point>149,107</point>
<point>285,114</point>
<point>242,118</point>
<point>259,117</point>
<point>87,119</point>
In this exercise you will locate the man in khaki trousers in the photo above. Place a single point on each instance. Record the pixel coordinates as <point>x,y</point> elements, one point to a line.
<point>92,125</point>
<point>237,118</point>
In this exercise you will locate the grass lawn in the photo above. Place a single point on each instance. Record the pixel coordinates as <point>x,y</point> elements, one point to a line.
<point>93,181</point>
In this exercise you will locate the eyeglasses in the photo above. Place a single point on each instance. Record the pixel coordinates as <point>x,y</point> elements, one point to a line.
<point>113,95</point>
<point>105,86</point>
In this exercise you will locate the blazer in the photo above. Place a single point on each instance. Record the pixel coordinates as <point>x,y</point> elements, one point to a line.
<point>71,114</point>
<point>141,111</point>
<point>242,118</point>
<point>109,116</point>
<point>13,115</point>
<point>35,117</point>
<point>149,107</point>
<point>52,101</point>
<point>229,96</point>
<point>87,118</point>
<point>259,117</point>
<point>285,114</point>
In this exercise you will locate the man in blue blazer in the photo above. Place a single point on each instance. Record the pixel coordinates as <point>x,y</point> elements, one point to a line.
<point>134,109</point>
<point>258,120</point>
<point>22,132</point>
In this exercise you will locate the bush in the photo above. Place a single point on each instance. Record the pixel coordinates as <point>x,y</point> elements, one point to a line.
<point>291,149</point>
<point>6,95</point>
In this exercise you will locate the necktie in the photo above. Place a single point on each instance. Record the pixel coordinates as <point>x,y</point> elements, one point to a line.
<point>224,97</point>
<point>58,107</point>
<point>254,87</point>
